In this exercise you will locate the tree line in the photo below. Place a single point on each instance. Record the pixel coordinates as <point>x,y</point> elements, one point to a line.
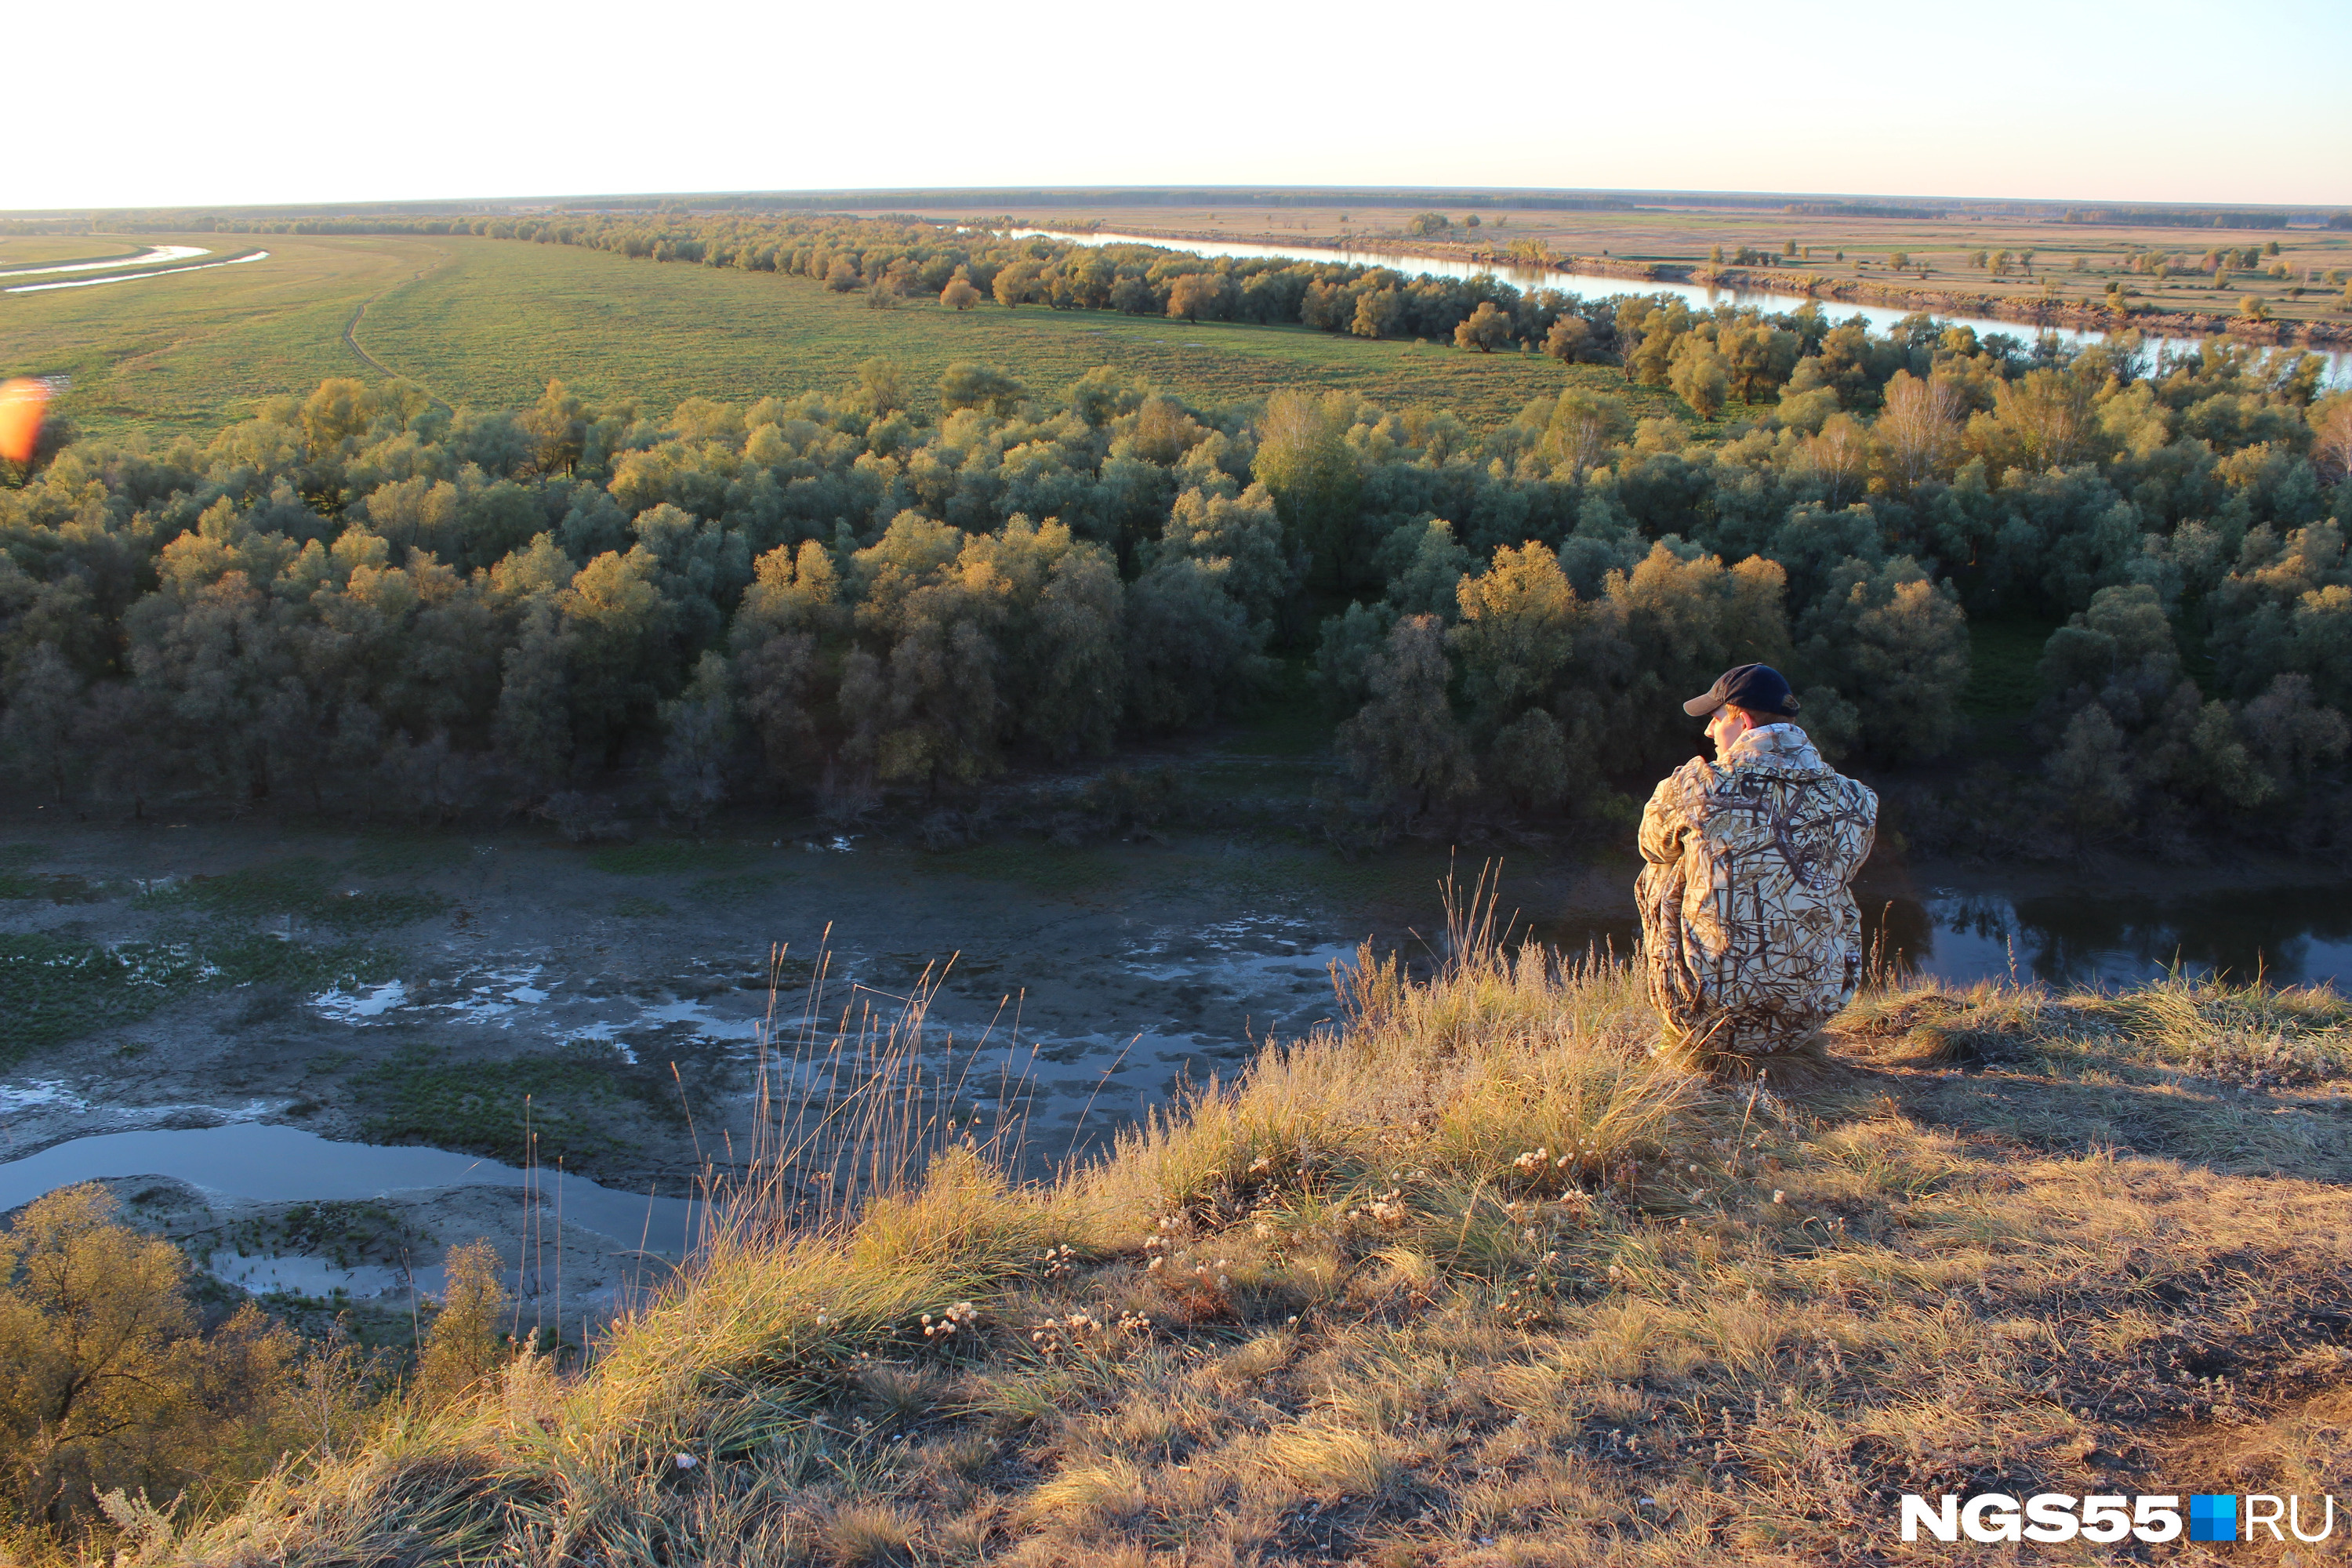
<point>2176,217</point>
<point>361,601</point>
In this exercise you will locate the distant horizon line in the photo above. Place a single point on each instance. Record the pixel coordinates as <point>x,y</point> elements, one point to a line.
<point>1166,194</point>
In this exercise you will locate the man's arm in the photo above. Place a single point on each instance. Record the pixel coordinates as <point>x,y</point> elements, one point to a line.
<point>1665,824</point>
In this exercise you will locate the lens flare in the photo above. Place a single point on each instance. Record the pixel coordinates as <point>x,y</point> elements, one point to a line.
<point>23,401</point>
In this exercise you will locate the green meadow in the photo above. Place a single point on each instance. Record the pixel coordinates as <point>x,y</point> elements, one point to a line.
<point>50,249</point>
<point>488,323</point>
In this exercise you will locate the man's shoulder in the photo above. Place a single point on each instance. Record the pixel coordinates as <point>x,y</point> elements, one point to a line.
<point>1686,786</point>
<point>1856,796</point>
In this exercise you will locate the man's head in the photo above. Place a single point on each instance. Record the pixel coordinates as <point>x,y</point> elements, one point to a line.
<point>1727,724</point>
<point>1743,698</point>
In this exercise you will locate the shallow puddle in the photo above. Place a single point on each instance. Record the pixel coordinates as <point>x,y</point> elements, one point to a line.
<point>262,1163</point>
<point>300,1274</point>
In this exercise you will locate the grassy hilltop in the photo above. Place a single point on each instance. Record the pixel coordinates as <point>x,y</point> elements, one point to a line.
<point>1479,1280</point>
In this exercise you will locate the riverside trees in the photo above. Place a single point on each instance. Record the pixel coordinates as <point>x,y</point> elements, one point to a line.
<point>109,1383</point>
<point>360,602</point>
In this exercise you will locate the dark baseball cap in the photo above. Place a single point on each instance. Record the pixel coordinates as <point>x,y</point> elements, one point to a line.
<point>1758,688</point>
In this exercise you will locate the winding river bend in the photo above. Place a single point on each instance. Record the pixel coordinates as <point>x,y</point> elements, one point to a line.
<point>133,277</point>
<point>151,255</point>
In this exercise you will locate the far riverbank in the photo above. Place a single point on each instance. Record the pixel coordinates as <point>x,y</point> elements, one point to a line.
<point>1526,271</point>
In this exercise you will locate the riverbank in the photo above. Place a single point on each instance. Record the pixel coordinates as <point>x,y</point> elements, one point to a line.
<point>180,1000</point>
<point>1529,263</point>
<point>1481,1279</point>
<point>2026,311</point>
<point>1353,248</point>
<point>373,985</point>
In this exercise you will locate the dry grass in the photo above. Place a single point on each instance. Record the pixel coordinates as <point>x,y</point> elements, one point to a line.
<point>1479,1280</point>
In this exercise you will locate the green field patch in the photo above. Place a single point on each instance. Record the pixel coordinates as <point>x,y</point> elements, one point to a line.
<point>665,858</point>
<point>55,988</point>
<point>58,888</point>
<point>632,907</point>
<point>344,1234</point>
<point>492,322</point>
<point>1049,868</point>
<point>17,255</point>
<point>266,960</point>
<point>561,1103</point>
<point>299,889</point>
<point>734,889</point>
<point>397,854</point>
<point>182,352</point>
<point>60,250</point>
<point>486,322</point>
<point>1411,881</point>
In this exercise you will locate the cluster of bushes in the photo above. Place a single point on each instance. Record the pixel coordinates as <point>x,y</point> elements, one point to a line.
<point>362,600</point>
<point>126,1384</point>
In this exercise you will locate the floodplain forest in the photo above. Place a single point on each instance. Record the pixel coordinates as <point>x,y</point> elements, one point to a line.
<point>363,600</point>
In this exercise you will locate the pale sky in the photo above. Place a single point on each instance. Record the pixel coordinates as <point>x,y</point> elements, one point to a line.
<point>254,101</point>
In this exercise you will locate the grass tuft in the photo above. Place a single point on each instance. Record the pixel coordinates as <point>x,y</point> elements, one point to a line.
<point>543,1104</point>
<point>869,1537</point>
<point>664,857</point>
<point>57,987</point>
<point>298,889</point>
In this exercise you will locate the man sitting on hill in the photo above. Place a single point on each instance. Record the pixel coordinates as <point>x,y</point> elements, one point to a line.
<point>1752,940</point>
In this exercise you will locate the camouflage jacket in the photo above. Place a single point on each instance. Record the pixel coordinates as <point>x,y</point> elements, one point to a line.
<point>1752,940</point>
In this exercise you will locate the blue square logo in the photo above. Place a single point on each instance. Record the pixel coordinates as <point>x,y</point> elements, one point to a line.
<point>2213,1516</point>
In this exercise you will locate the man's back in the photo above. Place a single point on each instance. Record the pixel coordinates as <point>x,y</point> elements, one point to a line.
<point>1752,939</point>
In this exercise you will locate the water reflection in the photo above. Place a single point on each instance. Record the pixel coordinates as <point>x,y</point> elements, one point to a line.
<point>2290,936</point>
<point>2287,936</point>
<point>265,1163</point>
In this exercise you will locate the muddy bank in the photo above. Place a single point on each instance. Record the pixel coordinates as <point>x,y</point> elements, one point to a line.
<point>645,1015</point>
<point>650,1016</point>
<point>374,1269</point>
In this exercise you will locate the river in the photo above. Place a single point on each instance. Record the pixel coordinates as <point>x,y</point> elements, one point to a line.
<point>1589,286</point>
<point>2071,930</point>
<point>2077,933</point>
<point>133,277</point>
<point>150,255</point>
<point>1088,986</point>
